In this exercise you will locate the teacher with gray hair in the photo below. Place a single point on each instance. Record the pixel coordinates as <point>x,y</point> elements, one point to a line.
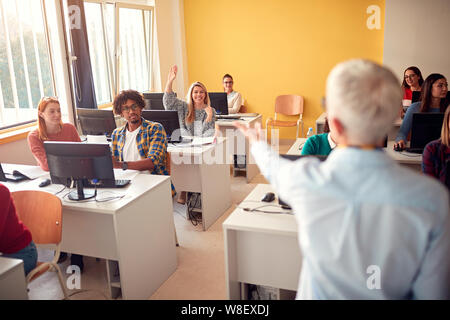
<point>368,228</point>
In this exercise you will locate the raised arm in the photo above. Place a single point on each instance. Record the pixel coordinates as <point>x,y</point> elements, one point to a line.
<point>171,78</point>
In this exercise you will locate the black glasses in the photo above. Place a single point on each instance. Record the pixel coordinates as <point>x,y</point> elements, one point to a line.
<point>133,107</point>
<point>228,82</point>
<point>411,76</point>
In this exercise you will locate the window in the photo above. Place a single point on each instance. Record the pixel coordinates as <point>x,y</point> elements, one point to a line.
<point>133,44</point>
<point>25,70</point>
<point>134,47</point>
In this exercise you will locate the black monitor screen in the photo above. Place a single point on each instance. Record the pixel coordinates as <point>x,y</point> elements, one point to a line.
<point>78,161</point>
<point>154,100</point>
<point>168,119</point>
<point>219,102</point>
<point>447,174</point>
<point>426,127</point>
<point>96,122</point>
<point>415,96</point>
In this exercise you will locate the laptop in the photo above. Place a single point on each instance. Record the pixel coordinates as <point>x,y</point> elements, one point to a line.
<point>14,177</point>
<point>426,127</point>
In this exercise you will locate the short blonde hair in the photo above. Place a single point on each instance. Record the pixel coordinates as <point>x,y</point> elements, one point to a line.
<point>365,97</point>
<point>190,117</point>
<point>445,132</point>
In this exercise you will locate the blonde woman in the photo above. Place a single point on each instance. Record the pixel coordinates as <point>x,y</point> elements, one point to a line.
<point>50,128</point>
<point>196,116</point>
<point>437,153</point>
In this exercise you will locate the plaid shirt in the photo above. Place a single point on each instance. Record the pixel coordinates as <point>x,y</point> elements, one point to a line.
<point>434,159</point>
<point>151,142</point>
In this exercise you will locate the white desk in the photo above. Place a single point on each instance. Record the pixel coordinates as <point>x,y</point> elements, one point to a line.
<point>238,145</point>
<point>203,169</point>
<point>137,231</point>
<point>296,148</point>
<point>260,248</point>
<point>412,160</point>
<point>12,279</point>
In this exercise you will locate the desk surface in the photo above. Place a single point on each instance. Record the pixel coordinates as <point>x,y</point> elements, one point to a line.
<point>403,156</point>
<point>259,221</point>
<point>229,122</point>
<point>296,148</point>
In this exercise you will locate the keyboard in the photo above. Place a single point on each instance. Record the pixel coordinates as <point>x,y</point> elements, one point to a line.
<point>106,183</point>
<point>414,150</point>
<point>227,117</point>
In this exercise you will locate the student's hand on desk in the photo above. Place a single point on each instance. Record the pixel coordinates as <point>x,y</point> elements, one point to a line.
<point>400,145</point>
<point>116,164</point>
<point>253,134</point>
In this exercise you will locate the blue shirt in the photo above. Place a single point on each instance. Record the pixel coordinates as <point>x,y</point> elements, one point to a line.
<point>368,228</point>
<point>405,128</point>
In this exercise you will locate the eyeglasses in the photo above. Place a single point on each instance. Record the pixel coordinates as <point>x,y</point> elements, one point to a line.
<point>228,82</point>
<point>133,107</point>
<point>411,76</point>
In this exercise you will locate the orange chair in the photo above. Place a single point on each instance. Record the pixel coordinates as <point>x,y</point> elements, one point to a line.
<point>288,105</point>
<point>41,212</point>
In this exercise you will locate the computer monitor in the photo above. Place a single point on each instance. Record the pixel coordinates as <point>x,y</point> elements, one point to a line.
<point>219,102</point>
<point>153,100</point>
<point>447,174</point>
<point>168,119</point>
<point>96,121</point>
<point>77,161</point>
<point>425,127</point>
<point>415,96</point>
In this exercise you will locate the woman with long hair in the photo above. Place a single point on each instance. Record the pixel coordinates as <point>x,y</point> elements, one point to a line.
<point>412,82</point>
<point>196,116</point>
<point>50,128</point>
<point>434,92</point>
<point>437,153</point>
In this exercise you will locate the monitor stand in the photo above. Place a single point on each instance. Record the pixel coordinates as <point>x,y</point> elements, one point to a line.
<point>81,194</point>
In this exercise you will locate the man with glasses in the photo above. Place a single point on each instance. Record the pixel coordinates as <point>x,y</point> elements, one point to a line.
<point>140,144</point>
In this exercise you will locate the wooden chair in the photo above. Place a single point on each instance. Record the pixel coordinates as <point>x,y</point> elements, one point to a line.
<point>41,212</point>
<point>288,105</point>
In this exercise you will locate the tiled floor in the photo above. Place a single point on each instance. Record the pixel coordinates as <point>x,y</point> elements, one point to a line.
<point>201,268</point>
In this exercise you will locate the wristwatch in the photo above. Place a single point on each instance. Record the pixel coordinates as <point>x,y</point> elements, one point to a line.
<point>124,165</point>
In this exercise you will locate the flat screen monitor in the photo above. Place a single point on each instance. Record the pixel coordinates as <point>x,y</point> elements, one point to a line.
<point>79,162</point>
<point>415,96</point>
<point>219,102</point>
<point>168,119</point>
<point>154,100</point>
<point>425,127</point>
<point>447,174</point>
<point>96,121</point>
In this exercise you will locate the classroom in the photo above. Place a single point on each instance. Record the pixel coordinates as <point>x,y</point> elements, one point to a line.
<point>227,101</point>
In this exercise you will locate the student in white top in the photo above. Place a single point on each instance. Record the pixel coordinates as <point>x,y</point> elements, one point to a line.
<point>234,98</point>
<point>368,228</point>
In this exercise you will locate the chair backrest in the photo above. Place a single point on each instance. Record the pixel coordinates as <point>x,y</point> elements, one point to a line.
<point>289,104</point>
<point>41,213</point>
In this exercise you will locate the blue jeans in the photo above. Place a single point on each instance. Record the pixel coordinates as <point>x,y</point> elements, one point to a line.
<point>28,255</point>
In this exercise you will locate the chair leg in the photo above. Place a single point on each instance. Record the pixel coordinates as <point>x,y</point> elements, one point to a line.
<point>61,281</point>
<point>176,238</point>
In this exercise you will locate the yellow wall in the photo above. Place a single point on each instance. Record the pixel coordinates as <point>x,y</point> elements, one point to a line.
<point>274,47</point>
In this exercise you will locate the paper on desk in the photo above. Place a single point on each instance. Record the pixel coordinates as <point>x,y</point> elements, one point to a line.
<point>128,174</point>
<point>198,141</point>
<point>31,172</point>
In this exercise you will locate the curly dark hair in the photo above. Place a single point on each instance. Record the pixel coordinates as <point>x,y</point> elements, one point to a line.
<point>122,98</point>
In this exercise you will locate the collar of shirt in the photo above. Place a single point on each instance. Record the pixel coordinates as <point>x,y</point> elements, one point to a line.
<point>330,141</point>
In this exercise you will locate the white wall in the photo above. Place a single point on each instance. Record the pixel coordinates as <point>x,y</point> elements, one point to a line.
<point>171,44</point>
<point>416,34</point>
